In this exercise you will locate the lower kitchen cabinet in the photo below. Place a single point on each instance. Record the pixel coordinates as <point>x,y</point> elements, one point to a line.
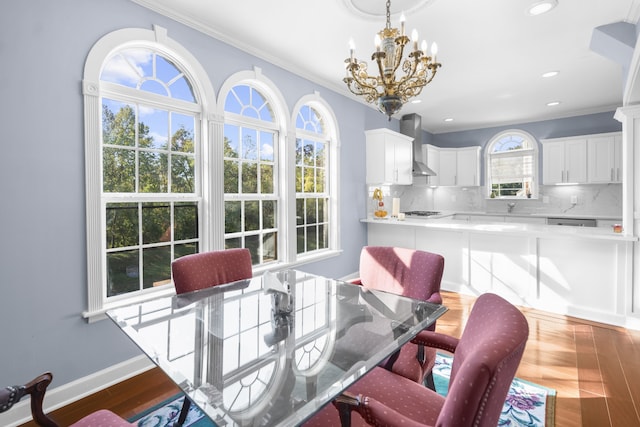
<point>582,277</point>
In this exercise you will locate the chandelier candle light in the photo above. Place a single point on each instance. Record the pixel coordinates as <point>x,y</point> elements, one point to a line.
<point>389,92</point>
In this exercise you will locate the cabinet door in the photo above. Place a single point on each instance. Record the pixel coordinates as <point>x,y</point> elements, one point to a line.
<point>389,157</point>
<point>617,164</point>
<point>432,160</point>
<point>575,161</point>
<point>467,167</point>
<point>553,163</point>
<point>602,159</point>
<point>448,167</point>
<point>403,162</point>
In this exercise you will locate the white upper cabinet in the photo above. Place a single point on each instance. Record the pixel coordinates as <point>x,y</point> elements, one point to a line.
<point>605,158</point>
<point>564,161</point>
<point>431,157</point>
<point>583,159</point>
<point>389,157</point>
<point>447,174</point>
<point>468,167</point>
<point>459,167</point>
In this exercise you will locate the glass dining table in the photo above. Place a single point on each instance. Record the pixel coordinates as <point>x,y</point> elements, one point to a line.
<point>274,349</point>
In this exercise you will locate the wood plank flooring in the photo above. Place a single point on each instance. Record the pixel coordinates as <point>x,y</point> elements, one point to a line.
<point>594,368</point>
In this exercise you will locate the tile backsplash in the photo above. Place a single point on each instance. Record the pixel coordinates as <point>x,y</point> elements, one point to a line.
<point>590,200</point>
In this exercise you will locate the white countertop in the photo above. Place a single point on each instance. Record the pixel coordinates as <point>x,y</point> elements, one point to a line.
<point>445,222</point>
<point>539,215</point>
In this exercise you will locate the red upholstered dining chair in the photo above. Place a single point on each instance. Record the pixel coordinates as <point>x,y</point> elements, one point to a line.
<point>412,273</point>
<point>37,388</point>
<point>203,270</point>
<point>485,360</point>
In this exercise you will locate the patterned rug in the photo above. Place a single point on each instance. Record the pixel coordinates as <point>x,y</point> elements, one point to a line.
<point>166,414</point>
<point>527,404</point>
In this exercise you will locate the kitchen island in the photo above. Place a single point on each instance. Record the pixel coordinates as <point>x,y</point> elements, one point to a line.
<point>584,272</point>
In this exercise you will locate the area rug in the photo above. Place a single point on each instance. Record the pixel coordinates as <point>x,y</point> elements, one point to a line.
<point>527,404</point>
<point>166,414</point>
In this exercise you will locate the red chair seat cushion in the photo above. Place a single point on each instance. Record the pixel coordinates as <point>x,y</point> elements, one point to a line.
<point>102,418</point>
<point>411,399</point>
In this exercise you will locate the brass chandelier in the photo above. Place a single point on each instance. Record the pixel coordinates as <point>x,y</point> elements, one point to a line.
<point>387,90</point>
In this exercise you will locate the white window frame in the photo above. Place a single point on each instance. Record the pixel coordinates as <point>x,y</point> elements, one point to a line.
<point>534,152</point>
<point>284,123</point>
<point>93,91</point>
<point>209,161</point>
<point>330,137</point>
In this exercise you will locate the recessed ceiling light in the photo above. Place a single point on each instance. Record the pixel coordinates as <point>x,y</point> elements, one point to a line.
<point>553,103</point>
<point>550,74</point>
<point>448,119</point>
<point>542,6</point>
<point>416,101</point>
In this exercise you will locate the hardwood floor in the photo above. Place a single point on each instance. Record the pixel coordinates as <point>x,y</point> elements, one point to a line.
<point>594,368</point>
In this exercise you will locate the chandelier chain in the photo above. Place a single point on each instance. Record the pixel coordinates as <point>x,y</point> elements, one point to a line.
<point>388,14</point>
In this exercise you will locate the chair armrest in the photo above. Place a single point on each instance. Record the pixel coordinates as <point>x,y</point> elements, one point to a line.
<point>436,340</point>
<point>37,388</point>
<point>377,414</point>
<point>435,298</point>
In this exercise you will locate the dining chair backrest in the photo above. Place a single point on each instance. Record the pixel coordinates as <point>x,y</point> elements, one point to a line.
<point>485,363</point>
<point>199,271</point>
<point>409,272</point>
<point>412,273</point>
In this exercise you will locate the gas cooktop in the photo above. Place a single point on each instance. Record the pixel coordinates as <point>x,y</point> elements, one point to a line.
<point>422,213</point>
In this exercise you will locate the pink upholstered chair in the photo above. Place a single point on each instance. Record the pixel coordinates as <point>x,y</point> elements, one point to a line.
<point>413,273</point>
<point>485,361</point>
<point>36,389</point>
<point>198,271</point>
<point>204,270</point>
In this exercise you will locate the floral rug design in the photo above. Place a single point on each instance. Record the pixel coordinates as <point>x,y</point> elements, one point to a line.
<point>527,404</point>
<point>167,413</point>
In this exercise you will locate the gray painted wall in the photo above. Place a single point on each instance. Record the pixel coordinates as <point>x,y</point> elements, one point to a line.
<point>43,47</point>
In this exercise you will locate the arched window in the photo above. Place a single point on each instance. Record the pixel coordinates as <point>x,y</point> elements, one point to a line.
<point>251,173</point>
<point>312,181</point>
<point>169,173</point>
<point>512,165</point>
<point>143,112</point>
<point>315,176</point>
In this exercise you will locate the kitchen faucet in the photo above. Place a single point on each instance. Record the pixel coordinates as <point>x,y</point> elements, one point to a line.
<point>511,205</point>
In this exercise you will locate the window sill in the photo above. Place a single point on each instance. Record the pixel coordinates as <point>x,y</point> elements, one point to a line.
<point>101,314</point>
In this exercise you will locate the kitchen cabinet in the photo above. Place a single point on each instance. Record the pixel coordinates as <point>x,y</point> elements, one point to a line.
<point>389,157</point>
<point>431,157</point>
<point>458,166</point>
<point>605,158</point>
<point>564,161</point>
<point>575,274</point>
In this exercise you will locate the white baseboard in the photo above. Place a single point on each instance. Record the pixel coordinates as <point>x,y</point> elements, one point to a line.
<point>68,393</point>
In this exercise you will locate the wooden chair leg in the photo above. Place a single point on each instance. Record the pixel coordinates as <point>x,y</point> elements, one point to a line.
<point>345,403</point>
<point>186,404</point>
<point>428,381</point>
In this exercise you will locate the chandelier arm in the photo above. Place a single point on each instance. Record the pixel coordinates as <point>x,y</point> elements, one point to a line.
<point>409,74</point>
<point>363,82</point>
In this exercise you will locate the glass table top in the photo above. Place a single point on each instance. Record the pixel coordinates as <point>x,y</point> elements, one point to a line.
<point>249,354</point>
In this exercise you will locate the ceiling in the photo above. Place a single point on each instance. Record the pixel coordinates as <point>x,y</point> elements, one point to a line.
<point>493,52</point>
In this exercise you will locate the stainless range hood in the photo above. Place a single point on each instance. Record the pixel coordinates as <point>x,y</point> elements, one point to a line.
<point>411,125</point>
